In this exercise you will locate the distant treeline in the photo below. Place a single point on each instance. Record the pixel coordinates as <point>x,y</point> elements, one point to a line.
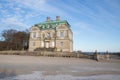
<point>116,53</point>
<point>14,40</point>
<point>91,53</point>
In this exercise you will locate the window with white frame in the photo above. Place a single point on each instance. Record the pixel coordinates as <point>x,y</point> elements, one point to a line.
<point>48,26</point>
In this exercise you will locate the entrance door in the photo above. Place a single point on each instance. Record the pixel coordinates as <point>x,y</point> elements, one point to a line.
<point>47,45</point>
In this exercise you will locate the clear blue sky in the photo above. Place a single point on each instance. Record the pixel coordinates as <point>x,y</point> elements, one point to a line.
<point>95,23</point>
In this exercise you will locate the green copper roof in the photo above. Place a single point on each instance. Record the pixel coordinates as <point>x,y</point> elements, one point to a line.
<point>51,24</point>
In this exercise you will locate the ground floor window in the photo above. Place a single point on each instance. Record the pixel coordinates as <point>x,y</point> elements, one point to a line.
<point>61,43</point>
<point>33,43</point>
<point>42,44</point>
<point>47,44</point>
<point>53,44</point>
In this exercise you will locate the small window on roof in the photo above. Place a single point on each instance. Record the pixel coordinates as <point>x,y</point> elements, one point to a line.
<point>48,26</point>
<point>43,26</point>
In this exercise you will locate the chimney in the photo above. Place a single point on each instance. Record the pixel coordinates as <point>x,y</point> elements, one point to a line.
<point>57,18</point>
<point>47,19</point>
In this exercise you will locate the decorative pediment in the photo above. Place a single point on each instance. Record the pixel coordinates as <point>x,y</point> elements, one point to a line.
<point>34,28</point>
<point>62,27</point>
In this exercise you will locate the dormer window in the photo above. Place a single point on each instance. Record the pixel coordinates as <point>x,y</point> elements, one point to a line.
<point>43,26</point>
<point>48,26</point>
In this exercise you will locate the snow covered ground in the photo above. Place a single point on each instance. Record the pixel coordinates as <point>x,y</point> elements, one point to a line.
<point>13,67</point>
<point>37,75</point>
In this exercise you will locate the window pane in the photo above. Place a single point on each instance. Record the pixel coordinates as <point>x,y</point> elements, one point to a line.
<point>48,35</point>
<point>42,44</point>
<point>33,43</point>
<point>61,43</point>
<point>53,44</point>
<point>61,34</point>
<point>34,34</point>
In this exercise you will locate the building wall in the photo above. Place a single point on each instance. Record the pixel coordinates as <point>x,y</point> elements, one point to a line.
<point>64,47</point>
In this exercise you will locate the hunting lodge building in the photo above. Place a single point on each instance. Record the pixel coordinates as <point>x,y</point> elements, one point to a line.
<point>51,35</point>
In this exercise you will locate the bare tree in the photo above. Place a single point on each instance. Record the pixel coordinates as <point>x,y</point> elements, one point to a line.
<point>15,40</point>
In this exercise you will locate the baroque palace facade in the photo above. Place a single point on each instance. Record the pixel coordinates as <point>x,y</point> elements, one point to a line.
<point>51,34</point>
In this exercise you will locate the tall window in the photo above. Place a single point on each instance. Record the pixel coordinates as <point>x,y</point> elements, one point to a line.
<point>53,44</point>
<point>47,44</point>
<point>61,43</point>
<point>61,34</point>
<point>42,43</point>
<point>48,35</point>
<point>34,34</point>
<point>33,43</point>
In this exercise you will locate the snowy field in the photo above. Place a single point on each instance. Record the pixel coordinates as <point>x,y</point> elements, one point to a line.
<point>56,68</point>
<point>38,76</point>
